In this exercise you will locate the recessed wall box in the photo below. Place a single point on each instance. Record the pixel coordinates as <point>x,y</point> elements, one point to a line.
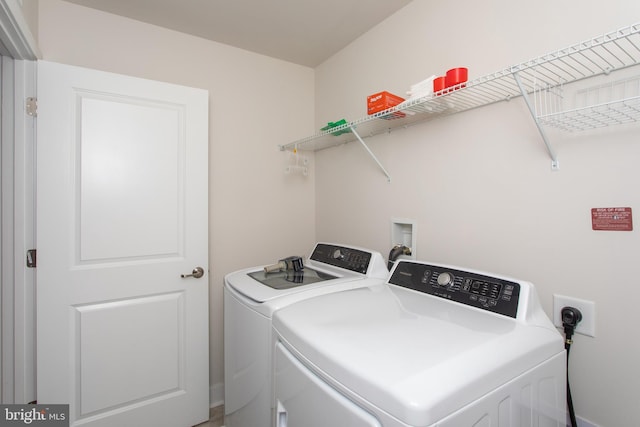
<point>404,232</point>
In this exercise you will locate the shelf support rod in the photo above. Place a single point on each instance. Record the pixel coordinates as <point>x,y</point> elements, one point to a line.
<point>554,160</point>
<point>373,156</point>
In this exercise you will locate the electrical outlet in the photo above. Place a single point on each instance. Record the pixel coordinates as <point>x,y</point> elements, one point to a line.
<point>587,325</point>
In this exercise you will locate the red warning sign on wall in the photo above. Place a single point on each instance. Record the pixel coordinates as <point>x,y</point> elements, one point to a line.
<point>611,219</point>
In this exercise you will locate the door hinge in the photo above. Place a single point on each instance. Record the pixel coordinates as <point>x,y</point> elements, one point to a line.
<point>32,107</point>
<point>31,258</point>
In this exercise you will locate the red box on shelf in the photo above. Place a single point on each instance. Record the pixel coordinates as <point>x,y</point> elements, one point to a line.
<point>381,101</point>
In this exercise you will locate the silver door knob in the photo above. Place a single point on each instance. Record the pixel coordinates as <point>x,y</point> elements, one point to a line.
<point>197,272</point>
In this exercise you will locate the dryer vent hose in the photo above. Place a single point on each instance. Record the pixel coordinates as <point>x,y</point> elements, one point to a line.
<point>396,251</point>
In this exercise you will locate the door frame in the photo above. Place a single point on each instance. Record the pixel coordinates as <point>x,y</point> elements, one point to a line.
<point>17,228</point>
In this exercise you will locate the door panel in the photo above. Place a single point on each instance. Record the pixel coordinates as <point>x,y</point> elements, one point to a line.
<point>122,213</point>
<point>103,329</point>
<point>123,193</point>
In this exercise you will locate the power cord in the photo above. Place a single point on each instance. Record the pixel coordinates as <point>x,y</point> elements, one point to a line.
<point>570,318</point>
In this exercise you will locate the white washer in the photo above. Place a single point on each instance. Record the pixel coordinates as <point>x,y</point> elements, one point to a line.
<point>436,346</point>
<point>251,296</point>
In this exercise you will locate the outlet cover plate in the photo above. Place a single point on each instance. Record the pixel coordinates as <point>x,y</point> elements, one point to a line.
<point>587,325</point>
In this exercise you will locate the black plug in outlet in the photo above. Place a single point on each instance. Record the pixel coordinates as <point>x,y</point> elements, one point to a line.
<point>570,317</point>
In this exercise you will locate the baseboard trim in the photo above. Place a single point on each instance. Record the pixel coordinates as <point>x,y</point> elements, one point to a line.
<point>582,422</point>
<point>216,395</point>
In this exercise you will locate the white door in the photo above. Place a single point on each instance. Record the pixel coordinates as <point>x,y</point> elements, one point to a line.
<point>121,214</point>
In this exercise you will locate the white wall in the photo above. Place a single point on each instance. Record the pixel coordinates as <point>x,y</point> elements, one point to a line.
<point>257,214</point>
<point>479,184</point>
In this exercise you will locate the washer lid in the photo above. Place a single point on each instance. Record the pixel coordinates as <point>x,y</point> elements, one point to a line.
<point>290,279</point>
<point>328,264</point>
<point>415,356</point>
<point>245,283</point>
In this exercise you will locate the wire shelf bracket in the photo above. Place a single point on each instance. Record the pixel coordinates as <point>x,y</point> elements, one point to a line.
<point>373,156</point>
<point>554,159</point>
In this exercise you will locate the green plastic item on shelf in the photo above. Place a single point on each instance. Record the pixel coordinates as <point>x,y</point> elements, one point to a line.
<point>332,125</point>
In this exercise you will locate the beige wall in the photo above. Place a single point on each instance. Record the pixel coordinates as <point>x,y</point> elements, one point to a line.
<point>479,184</point>
<point>30,12</point>
<point>257,214</point>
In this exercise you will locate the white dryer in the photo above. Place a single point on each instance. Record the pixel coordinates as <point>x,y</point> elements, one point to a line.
<point>436,346</point>
<point>251,296</point>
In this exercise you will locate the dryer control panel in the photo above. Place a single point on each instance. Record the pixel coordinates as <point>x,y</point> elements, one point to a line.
<point>343,257</point>
<point>485,292</point>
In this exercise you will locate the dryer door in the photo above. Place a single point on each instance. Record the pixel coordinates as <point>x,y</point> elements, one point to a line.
<point>305,400</point>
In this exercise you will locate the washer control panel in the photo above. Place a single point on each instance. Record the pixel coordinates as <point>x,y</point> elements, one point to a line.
<point>485,292</point>
<point>342,257</point>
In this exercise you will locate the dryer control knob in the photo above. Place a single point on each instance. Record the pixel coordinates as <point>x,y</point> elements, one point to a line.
<point>445,279</point>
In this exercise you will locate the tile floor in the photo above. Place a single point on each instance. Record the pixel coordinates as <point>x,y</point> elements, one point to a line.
<point>216,418</point>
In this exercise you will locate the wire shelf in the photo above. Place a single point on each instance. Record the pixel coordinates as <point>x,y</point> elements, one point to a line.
<point>604,54</point>
<point>610,104</point>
